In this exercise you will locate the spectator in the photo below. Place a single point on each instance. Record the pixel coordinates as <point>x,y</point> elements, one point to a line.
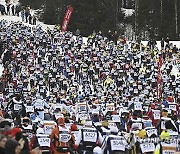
<point>17,10</point>
<point>30,19</point>
<point>2,9</point>
<point>27,12</point>
<point>13,10</point>
<point>23,14</point>
<point>8,9</point>
<point>115,37</point>
<point>34,20</point>
<point>109,35</point>
<point>162,43</point>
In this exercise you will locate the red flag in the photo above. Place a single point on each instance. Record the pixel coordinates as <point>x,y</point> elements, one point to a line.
<point>67,17</point>
<point>159,79</point>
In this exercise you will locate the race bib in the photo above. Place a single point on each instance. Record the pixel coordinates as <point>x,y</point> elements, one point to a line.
<point>168,152</point>
<point>117,145</point>
<point>172,107</point>
<point>48,129</point>
<point>163,125</point>
<point>41,90</point>
<point>68,108</point>
<point>17,107</point>
<point>44,141</point>
<point>136,91</point>
<point>90,136</point>
<point>81,108</point>
<point>29,109</point>
<point>137,106</point>
<point>140,87</point>
<point>116,118</point>
<point>64,137</point>
<point>147,147</point>
<point>151,132</point>
<point>110,108</point>
<point>137,125</point>
<point>83,116</point>
<point>156,114</point>
<point>169,148</point>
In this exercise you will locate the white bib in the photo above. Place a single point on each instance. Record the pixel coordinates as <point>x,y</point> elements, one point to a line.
<point>29,109</point>
<point>17,107</point>
<point>163,125</point>
<point>117,144</point>
<point>137,125</point>
<point>172,107</point>
<point>48,129</point>
<point>137,106</point>
<point>81,108</point>
<point>147,147</point>
<point>156,114</point>
<point>151,132</point>
<point>64,136</point>
<point>44,141</point>
<point>169,148</point>
<point>83,116</point>
<point>116,118</point>
<point>89,135</point>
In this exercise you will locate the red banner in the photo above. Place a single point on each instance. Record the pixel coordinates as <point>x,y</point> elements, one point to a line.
<point>159,78</point>
<point>67,17</point>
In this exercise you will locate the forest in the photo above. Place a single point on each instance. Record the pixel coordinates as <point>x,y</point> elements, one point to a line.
<point>152,19</point>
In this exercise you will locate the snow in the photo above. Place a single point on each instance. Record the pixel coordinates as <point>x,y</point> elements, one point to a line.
<point>15,18</point>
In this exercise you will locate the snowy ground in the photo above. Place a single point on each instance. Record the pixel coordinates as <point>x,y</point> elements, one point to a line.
<point>15,18</point>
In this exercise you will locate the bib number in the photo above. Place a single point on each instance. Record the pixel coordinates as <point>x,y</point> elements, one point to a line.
<point>64,137</point>
<point>147,147</point>
<point>117,145</point>
<point>44,142</point>
<point>29,109</point>
<point>17,107</point>
<point>90,136</point>
<point>48,129</point>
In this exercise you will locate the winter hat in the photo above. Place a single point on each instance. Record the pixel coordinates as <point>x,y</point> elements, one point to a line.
<point>97,150</point>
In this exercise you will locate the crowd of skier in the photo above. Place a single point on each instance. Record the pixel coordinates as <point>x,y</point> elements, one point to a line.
<point>60,94</point>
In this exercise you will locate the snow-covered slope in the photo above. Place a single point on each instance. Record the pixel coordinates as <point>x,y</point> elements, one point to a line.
<point>15,18</point>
